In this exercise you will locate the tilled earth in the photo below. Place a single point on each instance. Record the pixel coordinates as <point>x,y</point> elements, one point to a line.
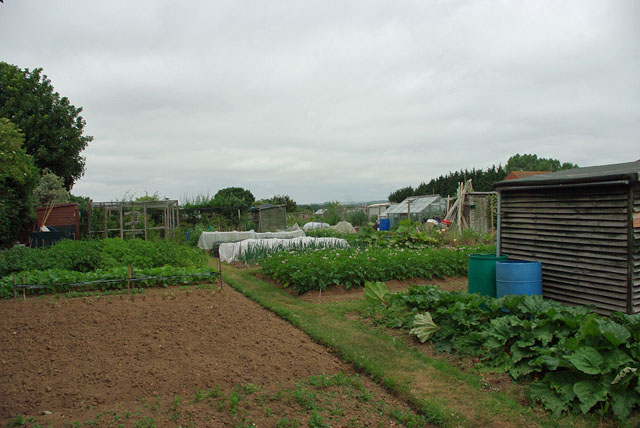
<point>172,357</point>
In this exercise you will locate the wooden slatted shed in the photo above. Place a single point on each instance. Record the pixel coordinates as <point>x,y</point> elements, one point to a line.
<point>583,224</point>
<point>269,218</point>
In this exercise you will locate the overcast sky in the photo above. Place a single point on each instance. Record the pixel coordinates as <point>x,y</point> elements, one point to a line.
<point>331,100</point>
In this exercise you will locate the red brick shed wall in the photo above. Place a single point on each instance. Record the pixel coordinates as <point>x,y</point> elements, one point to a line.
<point>61,215</point>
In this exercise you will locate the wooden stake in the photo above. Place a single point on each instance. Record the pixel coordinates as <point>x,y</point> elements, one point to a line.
<point>24,294</point>
<point>129,280</point>
<point>219,272</point>
<point>15,291</point>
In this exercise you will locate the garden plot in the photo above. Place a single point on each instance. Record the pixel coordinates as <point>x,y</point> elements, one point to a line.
<point>170,357</point>
<point>337,293</point>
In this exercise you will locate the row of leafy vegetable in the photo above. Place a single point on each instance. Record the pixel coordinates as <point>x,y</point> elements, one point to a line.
<point>576,360</point>
<point>408,235</point>
<point>352,267</point>
<point>62,280</point>
<point>89,255</point>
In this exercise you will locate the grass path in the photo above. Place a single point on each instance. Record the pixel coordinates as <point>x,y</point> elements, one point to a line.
<point>444,394</point>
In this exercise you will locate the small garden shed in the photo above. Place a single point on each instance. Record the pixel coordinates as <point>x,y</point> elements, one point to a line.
<point>269,218</point>
<point>63,222</point>
<point>377,210</point>
<point>583,224</point>
<point>417,208</point>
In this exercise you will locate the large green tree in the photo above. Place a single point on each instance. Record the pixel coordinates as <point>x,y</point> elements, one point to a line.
<point>529,162</point>
<point>52,126</point>
<point>401,194</point>
<point>284,200</point>
<point>228,202</point>
<point>233,197</point>
<point>18,177</point>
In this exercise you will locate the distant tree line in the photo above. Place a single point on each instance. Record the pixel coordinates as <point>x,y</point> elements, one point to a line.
<point>482,179</point>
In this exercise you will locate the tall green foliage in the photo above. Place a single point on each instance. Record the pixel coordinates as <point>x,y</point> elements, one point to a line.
<point>401,194</point>
<point>52,126</point>
<point>50,189</point>
<point>529,162</point>
<point>18,177</point>
<point>284,200</point>
<point>231,200</point>
<point>334,213</point>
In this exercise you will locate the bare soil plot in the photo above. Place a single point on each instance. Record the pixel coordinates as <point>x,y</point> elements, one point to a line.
<point>122,360</point>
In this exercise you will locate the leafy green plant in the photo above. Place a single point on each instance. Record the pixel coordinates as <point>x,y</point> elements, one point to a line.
<point>146,422</point>
<point>376,291</point>
<point>576,359</point>
<point>86,256</point>
<point>59,280</point>
<point>20,421</point>
<point>352,267</point>
<point>423,326</point>
<point>255,253</point>
<point>316,421</point>
<point>287,423</point>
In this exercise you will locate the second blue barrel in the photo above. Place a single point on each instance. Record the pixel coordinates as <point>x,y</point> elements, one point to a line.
<point>384,224</point>
<point>518,277</point>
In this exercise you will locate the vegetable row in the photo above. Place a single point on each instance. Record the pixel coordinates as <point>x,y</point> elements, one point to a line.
<point>61,280</point>
<point>577,360</point>
<point>352,267</point>
<point>89,255</point>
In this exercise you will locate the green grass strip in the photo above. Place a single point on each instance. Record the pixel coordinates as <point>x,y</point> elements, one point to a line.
<point>441,392</point>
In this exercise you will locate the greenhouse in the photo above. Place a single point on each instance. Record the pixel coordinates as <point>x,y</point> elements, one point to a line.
<point>417,208</point>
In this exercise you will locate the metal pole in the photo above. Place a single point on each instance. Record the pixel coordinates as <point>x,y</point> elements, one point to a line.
<point>630,251</point>
<point>498,224</point>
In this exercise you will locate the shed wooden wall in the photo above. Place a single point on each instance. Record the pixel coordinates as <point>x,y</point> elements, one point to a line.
<point>636,252</point>
<point>270,219</point>
<point>580,235</point>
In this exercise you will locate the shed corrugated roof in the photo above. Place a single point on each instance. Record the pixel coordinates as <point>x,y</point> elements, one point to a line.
<point>617,171</point>
<point>418,203</point>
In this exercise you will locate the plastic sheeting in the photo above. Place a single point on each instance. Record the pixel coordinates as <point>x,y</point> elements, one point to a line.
<point>344,227</point>
<point>231,251</point>
<point>208,239</point>
<point>315,225</point>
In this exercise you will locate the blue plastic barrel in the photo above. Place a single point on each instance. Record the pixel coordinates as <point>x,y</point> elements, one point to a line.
<point>384,224</point>
<point>518,277</point>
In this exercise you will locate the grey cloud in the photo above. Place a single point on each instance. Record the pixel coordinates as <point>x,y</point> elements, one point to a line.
<point>329,100</point>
